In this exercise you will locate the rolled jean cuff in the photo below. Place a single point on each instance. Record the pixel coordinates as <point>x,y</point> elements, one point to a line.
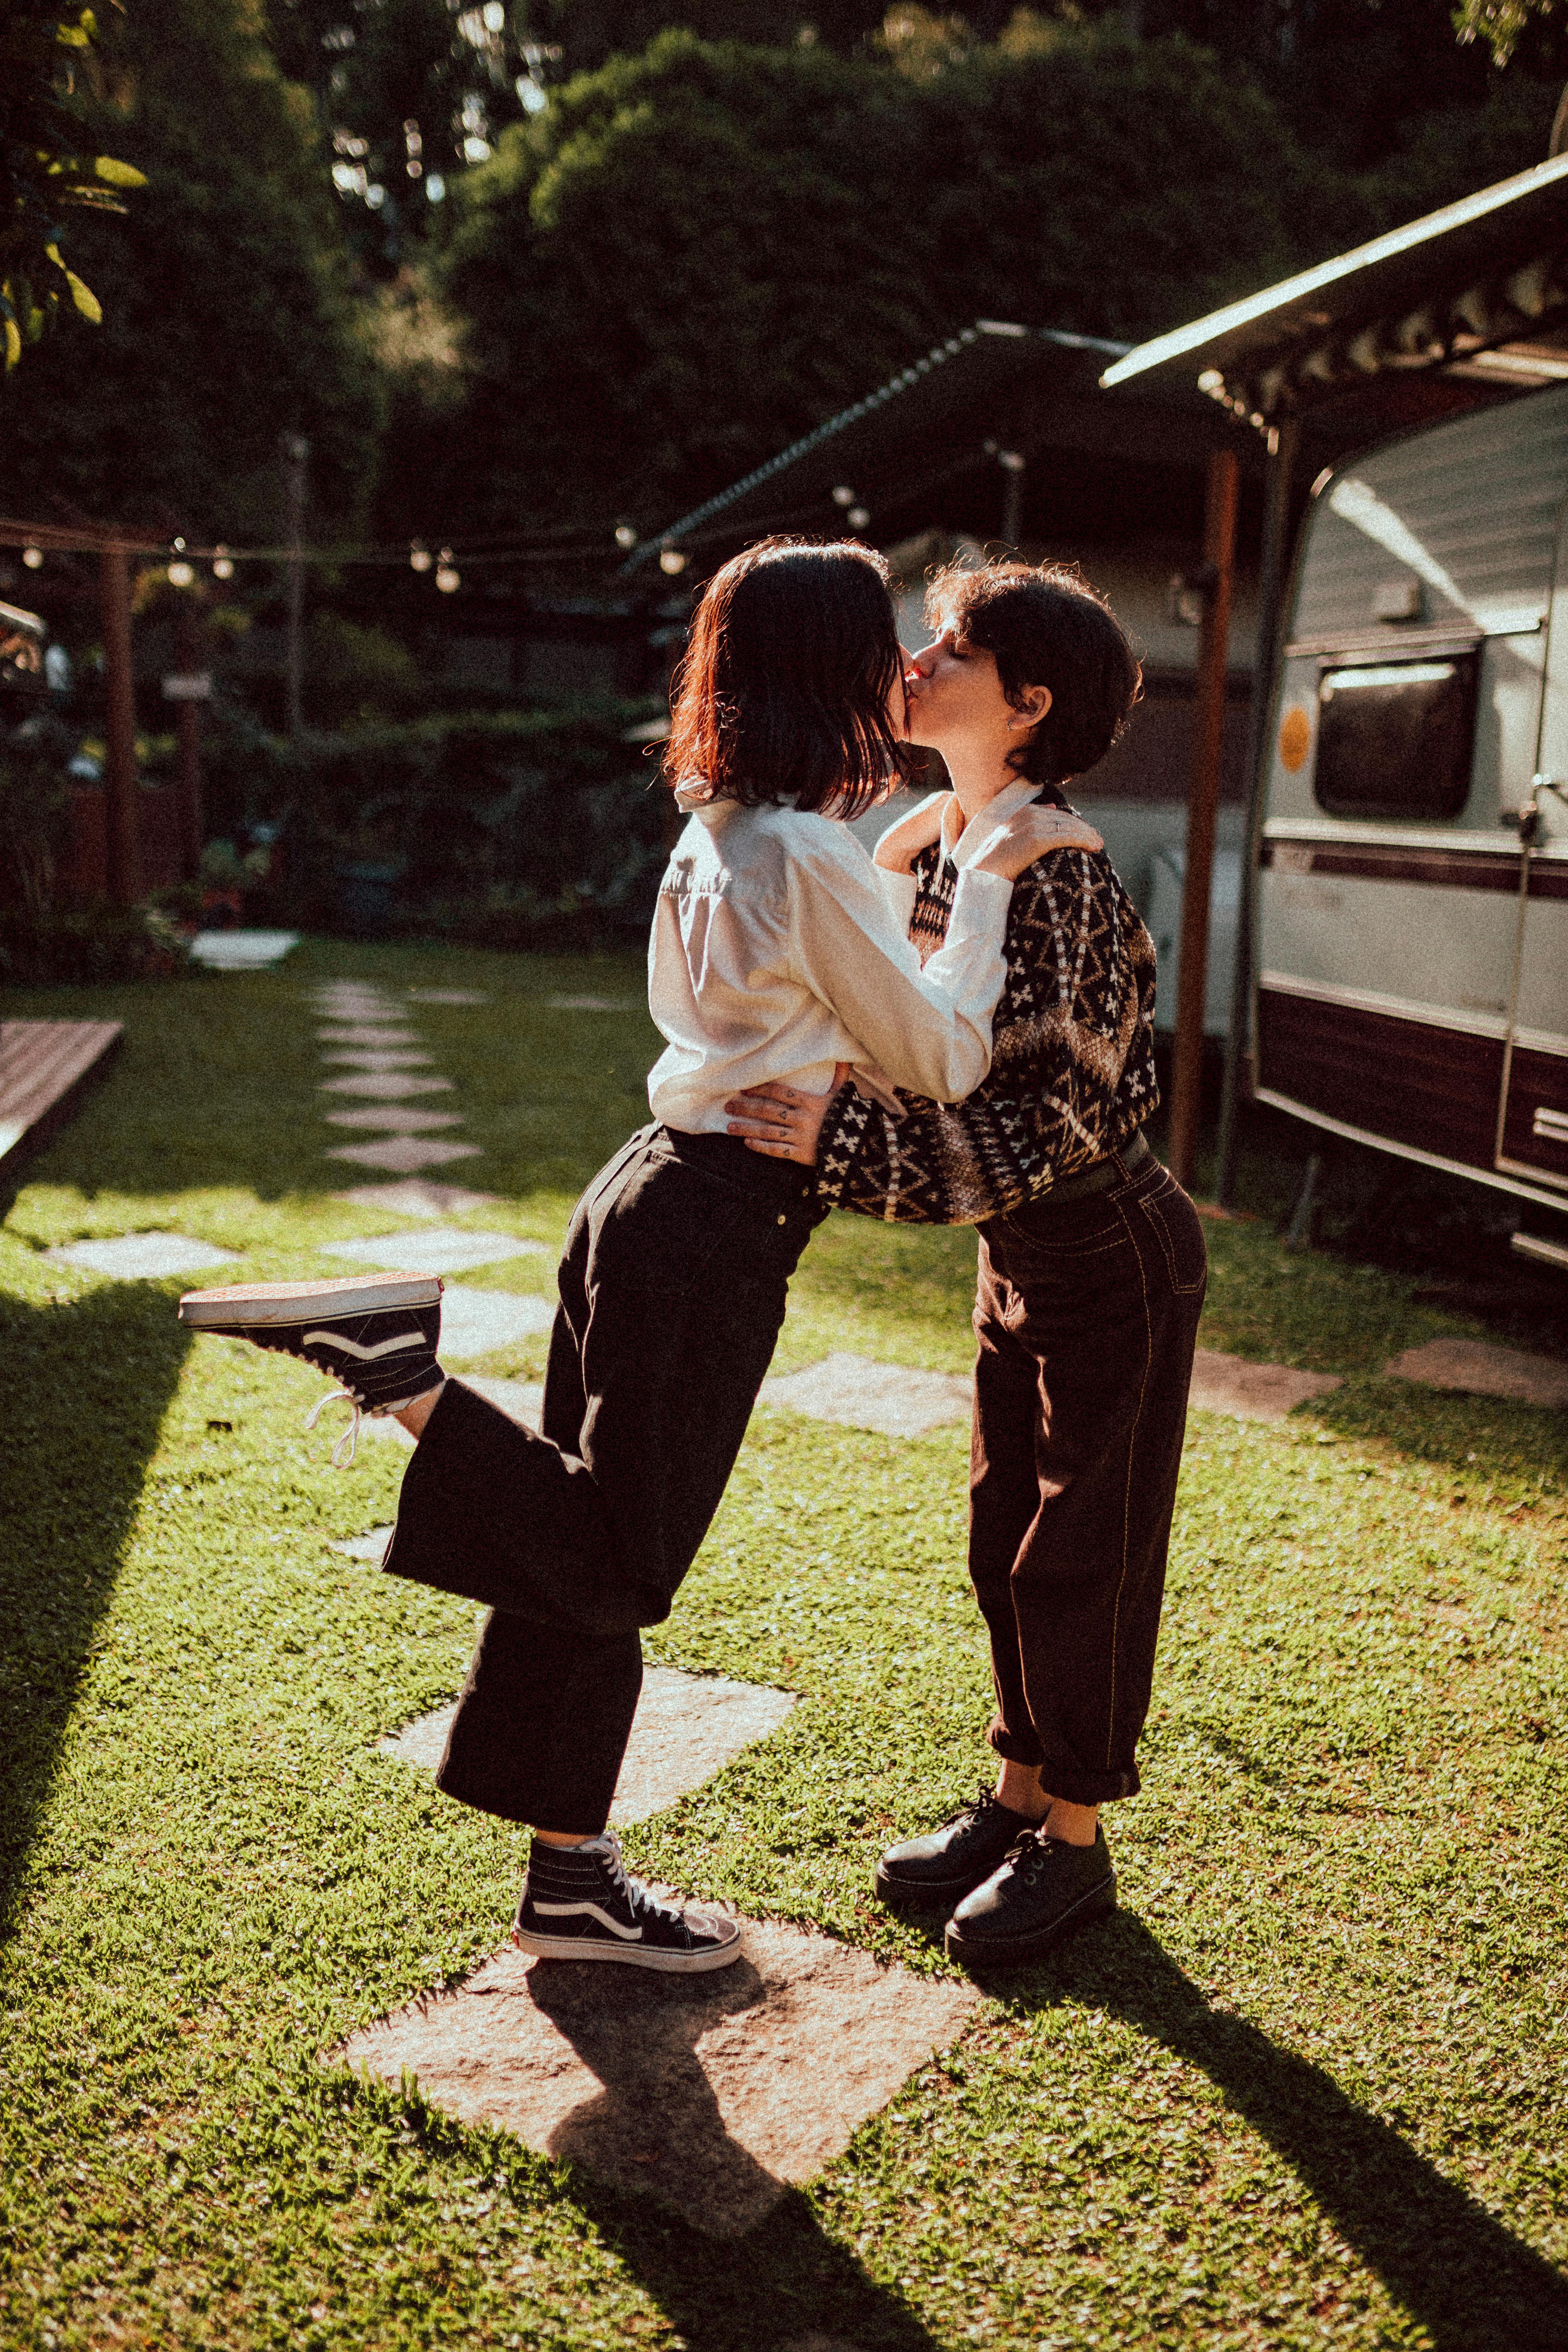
<point>1014,1747</point>
<point>1076,1787</point>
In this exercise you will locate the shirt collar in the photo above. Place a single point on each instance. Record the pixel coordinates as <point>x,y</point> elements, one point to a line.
<point>961,842</point>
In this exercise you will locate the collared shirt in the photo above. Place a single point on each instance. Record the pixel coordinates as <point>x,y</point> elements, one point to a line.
<point>964,842</point>
<point>778,949</point>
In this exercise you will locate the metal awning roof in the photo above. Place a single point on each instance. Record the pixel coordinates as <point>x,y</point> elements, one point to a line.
<point>1475,297</point>
<point>993,386</point>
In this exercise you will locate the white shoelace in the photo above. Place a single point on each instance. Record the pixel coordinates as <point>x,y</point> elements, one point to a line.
<point>350,1438</point>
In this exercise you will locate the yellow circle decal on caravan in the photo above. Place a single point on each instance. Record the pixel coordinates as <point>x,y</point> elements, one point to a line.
<point>1295,737</point>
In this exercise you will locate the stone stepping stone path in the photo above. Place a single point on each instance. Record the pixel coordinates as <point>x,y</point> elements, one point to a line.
<point>417,1198</point>
<point>688,1727</point>
<point>859,1394</point>
<point>405,1155</point>
<point>142,1257</point>
<point>715,2092</point>
<point>445,1251</point>
<point>1248,1392</point>
<point>475,1321</point>
<point>367,1040</point>
<point>395,1118</point>
<point>1480,1368</point>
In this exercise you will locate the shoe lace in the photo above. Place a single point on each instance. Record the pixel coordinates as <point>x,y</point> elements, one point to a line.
<point>632,1891</point>
<point>350,1438</point>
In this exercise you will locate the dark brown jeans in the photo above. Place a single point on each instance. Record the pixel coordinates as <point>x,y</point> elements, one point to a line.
<point>1087,1315</point>
<point>672,1291</point>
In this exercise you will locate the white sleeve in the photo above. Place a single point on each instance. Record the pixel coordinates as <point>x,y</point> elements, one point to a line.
<point>930,1030</point>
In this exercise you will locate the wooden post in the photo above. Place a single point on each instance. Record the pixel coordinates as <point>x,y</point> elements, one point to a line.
<point>188,635</point>
<point>122,827</point>
<point>1202,802</point>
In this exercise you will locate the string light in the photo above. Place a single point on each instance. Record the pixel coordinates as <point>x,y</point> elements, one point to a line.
<point>858,517</point>
<point>843,495</point>
<point>181,573</point>
<point>672,559</point>
<point>418,558</point>
<point>223,564</point>
<point>447,575</point>
<point>624,535</point>
<point>32,557</point>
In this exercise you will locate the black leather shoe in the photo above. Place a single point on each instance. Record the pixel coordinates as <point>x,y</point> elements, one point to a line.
<point>1043,1891</point>
<point>939,1869</point>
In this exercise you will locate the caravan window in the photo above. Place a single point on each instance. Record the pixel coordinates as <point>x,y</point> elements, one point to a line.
<point>1395,738</point>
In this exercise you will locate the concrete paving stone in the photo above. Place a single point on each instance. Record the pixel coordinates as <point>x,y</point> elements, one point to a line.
<point>1248,1392</point>
<point>448,1250</point>
<point>714,2093</point>
<point>372,1545</point>
<point>859,1394</point>
<point>597,1003</point>
<point>446,996</point>
<point>370,1057</point>
<point>688,1727</point>
<point>405,1155</point>
<point>475,1321</point>
<point>525,1399</point>
<point>418,1198</point>
<point>142,1257</point>
<point>385,1086</point>
<point>1480,1368</point>
<point>392,1119</point>
<point>242,950</point>
<point>366,1033</point>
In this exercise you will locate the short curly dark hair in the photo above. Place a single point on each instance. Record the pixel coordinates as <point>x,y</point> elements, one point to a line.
<point>1046,626</point>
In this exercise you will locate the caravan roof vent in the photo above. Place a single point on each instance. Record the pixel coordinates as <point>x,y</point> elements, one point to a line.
<point>1399,599</point>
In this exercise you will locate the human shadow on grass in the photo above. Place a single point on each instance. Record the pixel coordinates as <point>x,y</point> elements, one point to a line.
<point>742,2263</point>
<point>1469,2282</point>
<point>86,1387</point>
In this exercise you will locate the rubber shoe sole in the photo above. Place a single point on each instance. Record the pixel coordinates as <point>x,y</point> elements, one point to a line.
<point>636,1956</point>
<point>273,1306</point>
<point>1013,1951</point>
<point>928,1895</point>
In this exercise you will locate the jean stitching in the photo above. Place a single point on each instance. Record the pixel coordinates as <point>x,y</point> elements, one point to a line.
<point>1127,1491</point>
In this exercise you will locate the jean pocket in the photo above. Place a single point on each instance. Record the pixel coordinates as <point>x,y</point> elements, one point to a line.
<point>1177,1227</point>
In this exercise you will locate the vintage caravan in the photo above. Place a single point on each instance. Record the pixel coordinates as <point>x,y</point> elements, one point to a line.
<point>1411,910</point>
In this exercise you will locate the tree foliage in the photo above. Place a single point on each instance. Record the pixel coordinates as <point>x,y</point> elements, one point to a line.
<point>229,314</point>
<point>698,253</point>
<point>46,168</point>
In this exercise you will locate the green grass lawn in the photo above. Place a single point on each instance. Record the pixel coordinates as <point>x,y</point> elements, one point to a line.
<point>1306,2087</point>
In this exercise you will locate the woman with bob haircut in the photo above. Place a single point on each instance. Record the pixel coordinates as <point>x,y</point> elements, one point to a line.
<point>779,952</point>
<point>1092,1266</point>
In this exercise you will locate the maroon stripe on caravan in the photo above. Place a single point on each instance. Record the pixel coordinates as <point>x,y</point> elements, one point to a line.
<point>1444,869</point>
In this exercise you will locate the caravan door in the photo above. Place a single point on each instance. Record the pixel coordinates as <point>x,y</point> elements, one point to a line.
<point>1532,1113</point>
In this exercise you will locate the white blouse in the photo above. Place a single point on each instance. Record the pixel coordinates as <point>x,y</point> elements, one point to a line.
<point>778,949</point>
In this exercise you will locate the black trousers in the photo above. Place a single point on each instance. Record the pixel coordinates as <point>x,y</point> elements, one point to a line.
<point>1085,1315</point>
<point>672,1292</point>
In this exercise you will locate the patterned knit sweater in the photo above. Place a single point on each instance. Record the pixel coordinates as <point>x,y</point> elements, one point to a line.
<point>1072,1071</point>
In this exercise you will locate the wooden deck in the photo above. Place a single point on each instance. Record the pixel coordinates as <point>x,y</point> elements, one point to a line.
<point>45,1068</point>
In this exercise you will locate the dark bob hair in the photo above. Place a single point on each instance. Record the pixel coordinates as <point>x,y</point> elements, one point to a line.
<point>1045,626</point>
<point>784,690</point>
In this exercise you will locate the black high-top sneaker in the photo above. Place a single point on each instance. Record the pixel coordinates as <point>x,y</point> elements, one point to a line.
<point>375,1333</point>
<point>947,1863</point>
<point>581,1903</point>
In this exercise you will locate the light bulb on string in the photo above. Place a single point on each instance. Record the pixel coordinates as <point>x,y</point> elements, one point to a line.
<point>222,564</point>
<point>858,517</point>
<point>180,573</point>
<point>672,559</point>
<point>843,495</point>
<point>447,575</point>
<point>624,535</point>
<point>33,558</point>
<point>419,558</point>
